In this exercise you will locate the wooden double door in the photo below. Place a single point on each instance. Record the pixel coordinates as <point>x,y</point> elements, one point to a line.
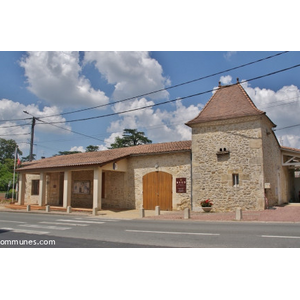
<point>157,190</point>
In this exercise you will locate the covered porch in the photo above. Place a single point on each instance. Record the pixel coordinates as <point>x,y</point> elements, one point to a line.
<point>84,187</point>
<point>291,162</point>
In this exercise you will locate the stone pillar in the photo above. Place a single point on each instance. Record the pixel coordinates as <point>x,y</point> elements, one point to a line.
<point>67,189</point>
<point>21,196</point>
<point>238,214</point>
<point>186,213</point>
<point>157,210</point>
<point>97,189</point>
<point>142,213</point>
<point>42,195</point>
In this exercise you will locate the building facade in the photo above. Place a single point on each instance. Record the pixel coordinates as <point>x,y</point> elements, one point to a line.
<point>233,159</point>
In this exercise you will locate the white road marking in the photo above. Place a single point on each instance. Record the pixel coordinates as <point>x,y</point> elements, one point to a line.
<point>75,221</point>
<point>100,218</point>
<point>12,221</point>
<point>281,236</point>
<point>171,232</point>
<point>25,231</point>
<point>105,220</point>
<point>46,227</point>
<point>60,223</point>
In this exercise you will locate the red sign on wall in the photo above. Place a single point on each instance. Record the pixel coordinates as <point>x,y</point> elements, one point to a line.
<point>180,185</point>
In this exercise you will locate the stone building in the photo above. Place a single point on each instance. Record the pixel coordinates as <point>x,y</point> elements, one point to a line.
<point>234,159</point>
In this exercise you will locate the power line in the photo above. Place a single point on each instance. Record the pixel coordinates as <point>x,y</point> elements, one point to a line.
<point>20,125</point>
<point>69,130</point>
<point>173,100</point>
<point>14,134</point>
<point>172,87</point>
<point>15,120</point>
<point>291,126</point>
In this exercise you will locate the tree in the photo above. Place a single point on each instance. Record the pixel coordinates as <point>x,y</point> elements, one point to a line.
<point>91,148</point>
<point>66,153</point>
<point>27,158</point>
<point>131,137</point>
<point>7,159</point>
<point>7,149</point>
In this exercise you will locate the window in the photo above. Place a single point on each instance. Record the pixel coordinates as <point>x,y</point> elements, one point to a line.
<point>35,187</point>
<point>235,180</point>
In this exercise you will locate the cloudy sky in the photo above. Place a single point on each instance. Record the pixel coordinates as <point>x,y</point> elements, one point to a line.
<point>78,95</point>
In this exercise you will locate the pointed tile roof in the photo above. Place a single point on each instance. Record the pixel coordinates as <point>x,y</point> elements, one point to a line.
<point>230,101</point>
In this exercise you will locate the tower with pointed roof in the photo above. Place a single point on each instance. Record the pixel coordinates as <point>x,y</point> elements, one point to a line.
<point>234,153</point>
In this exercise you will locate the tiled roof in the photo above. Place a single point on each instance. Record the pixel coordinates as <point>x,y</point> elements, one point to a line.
<point>290,149</point>
<point>228,102</point>
<point>103,157</point>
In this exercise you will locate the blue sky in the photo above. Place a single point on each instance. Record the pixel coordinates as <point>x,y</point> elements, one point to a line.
<point>54,83</point>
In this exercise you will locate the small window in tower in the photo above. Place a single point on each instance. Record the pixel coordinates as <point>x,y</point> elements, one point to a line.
<point>235,180</point>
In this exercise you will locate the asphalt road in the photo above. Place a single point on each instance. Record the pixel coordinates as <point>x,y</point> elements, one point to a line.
<point>35,230</point>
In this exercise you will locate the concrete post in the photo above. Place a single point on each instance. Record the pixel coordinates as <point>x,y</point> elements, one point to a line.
<point>97,189</point>
<point>69,209</point>
<point>28,208</point>
<point>95,210</point>
<point>238,214</point>
<point>186,213</point>
<point>142,213</point>
<point>21,196</point>
<point>42,195</point>
<point>67,188</point>
<point>157,210</point>
<point>47,208</point>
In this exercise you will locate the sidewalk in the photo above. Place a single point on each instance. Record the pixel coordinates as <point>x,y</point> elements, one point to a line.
<point>285,213</point>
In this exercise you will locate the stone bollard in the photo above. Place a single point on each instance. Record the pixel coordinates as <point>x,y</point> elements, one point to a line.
<point>238,214</point>
<point>186,213</point>
<point>95,210</point>
<point>157,210</point>
<point>69,209</point>
<point>47,208</point>
<point>142,213</point>
<point>28,208</point>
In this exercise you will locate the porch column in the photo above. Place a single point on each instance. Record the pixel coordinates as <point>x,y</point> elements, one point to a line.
<point>42,188</point>
<point>97,188</point>
<point>21,196</point>
<point>67,189</point>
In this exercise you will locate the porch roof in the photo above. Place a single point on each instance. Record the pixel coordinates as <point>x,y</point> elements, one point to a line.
<point>290,157</point>
<point>101,158</point>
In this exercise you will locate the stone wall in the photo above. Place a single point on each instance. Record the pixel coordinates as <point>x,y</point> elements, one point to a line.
<point>30,199</point>
<point>277,176</point>
<point>114,191</point>
<point>213,174</point>
<point>176,164</point>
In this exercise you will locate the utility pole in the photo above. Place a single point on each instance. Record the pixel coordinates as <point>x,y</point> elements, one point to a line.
<point>32,136</point>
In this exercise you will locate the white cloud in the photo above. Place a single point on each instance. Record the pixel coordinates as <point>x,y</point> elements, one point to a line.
<point>131,73</point>
<point>226,79</point>
<point>159,125</point>
<point>78,148</point>
<point>229,54</point>
<point>282,107</point>
<point>55,77</point>
<point>14,110</point>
